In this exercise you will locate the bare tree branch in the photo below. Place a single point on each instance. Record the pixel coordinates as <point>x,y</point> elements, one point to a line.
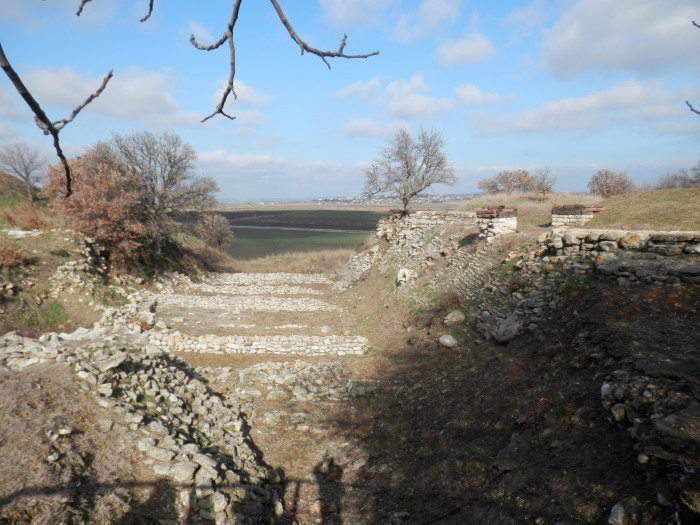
<point>80,7</point>
<point>40,117</point>
<point>692,108</point>
<point>150,11</point>
<point>59,124</point>
<point>305,47</point>
<point>228,35</point>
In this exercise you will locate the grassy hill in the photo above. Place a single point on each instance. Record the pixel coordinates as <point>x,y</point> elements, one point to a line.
<point>677,209</point>
<point>12,191</point>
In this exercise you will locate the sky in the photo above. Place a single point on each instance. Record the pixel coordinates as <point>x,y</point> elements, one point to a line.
<point>573,85</point>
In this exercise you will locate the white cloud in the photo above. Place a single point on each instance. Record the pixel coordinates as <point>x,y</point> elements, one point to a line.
<point>367,91</point>
<point>247,95</point>
<point>642,36</point>
<point>5,131</point>
<point>12,107</point>
<point>472,48</point>
<point>471,94</point>
<point>618,105</point>
<point>426,20</point>
<point>201,34</point>
<point>364,127</point>
<point>406,100</point>
<point>132,94</point>
<point>342,13</point>
<point>529,17</point>
<point>267,177</point>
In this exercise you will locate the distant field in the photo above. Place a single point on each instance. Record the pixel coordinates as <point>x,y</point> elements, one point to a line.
<point>259,233</point>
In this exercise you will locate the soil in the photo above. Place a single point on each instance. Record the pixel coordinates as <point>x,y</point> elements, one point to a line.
<point>483,433</point>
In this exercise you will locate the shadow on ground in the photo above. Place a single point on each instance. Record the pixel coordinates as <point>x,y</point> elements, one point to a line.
<point>511,434</point>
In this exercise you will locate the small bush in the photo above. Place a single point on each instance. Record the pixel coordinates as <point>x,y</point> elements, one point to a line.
<point>59,253</point>
<point>12,255</point>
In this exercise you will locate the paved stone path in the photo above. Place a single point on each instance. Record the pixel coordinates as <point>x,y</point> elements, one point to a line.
<point>285,381</point>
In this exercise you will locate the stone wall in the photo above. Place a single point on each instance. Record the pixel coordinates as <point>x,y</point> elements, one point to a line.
<point>389,227</point>
<point>562,255</point>
<point>570,215</point>
<point>561,241</point>
<point>496,221</point>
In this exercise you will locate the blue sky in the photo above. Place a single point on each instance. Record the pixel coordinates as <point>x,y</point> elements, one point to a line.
<point>576,85</point>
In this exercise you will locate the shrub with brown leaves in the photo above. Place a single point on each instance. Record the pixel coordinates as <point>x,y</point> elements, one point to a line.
<point>101,206</point>
<point>12,255</point>
<point>214,229</point>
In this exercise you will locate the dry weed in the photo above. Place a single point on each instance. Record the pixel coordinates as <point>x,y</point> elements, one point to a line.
<point>322,261</point>
<point>12,255</point>
<point>62,459</point>
<point>24,216</point>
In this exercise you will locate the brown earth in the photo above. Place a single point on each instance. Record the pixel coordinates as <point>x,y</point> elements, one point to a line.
<point>483,433</point>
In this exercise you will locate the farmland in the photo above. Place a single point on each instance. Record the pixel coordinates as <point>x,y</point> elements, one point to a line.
<point>259,233</point>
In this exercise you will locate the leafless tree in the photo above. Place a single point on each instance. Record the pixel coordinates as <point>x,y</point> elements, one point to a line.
<point>160,170</point>
<point>25,164</point>
<point>680,179</point>
<point>607,183</point>
<point>543,182</point>
<point>54,128</point>
<point>508,181</point>
<point>409,166</point>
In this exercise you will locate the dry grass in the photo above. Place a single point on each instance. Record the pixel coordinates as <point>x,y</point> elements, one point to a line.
<point>93,476</point>
<point>322,261</point>
<point>529,200</point>
<point>23,216</point>
<point>652,210</point>
<point>12,255</point>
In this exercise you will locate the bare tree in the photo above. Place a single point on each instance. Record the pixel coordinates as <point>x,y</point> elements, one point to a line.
<point>160,171</point>
<point>409,166</point>
<point>508,181</point>
<point>25,164</point>
<point>680,179</point>
<point>543,182</point>
<point>489,186</point>
<point>607,183</point>
<point>53,128</point>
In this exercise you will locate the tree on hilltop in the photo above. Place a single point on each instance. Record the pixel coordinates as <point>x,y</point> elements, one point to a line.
<point>508,181</point>
<point>54,128</point>
<point>543,182</point>
<point>608,183</point>
<point>25,164</point>
<point>409,166</point>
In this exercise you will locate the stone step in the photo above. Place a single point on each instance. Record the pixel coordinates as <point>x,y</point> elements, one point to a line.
<point>275,344</point>
<point>250,302</point>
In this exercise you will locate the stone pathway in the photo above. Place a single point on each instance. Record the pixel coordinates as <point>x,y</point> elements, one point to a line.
<point>282,382</point>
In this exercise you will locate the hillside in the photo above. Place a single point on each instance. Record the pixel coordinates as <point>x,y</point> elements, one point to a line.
<point>567,392</point>
<point>652,210</point>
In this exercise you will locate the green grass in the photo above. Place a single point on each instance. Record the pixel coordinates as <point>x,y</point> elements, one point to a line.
<point>12,191</point>
<point>651,210</point>
<point>51,316</point>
